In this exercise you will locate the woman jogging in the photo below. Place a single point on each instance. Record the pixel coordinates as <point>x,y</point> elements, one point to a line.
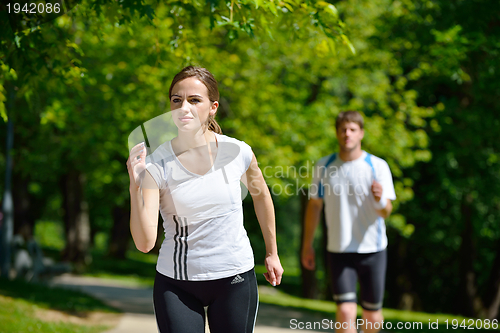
<point>193,180</point>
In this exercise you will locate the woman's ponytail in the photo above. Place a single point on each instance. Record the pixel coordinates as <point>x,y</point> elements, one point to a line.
<point>213,125</point>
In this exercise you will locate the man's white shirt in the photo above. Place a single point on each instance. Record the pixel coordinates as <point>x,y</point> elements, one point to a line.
<point>345,186</point>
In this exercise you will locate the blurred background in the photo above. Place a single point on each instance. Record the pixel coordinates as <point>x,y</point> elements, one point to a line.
<point>425,74</point>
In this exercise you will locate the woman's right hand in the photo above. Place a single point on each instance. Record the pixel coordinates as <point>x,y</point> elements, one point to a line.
<point>136,165</point>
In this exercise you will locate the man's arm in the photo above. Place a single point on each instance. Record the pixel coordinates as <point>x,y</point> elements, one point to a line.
<point>313,214</point>
<point>386,211</point>
<point>382,210</point>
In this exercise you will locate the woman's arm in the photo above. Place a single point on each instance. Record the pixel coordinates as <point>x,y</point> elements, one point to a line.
<point>144,206</point>
<point>264,209</point>
<point>144,201</point>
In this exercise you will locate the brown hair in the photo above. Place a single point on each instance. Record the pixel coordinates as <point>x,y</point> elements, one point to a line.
<point>209,81</point>
<point>349,117</point>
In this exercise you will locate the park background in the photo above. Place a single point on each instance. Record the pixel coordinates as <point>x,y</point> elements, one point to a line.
<point>425,74</point>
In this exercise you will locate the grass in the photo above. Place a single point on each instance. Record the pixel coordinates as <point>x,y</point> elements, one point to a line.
<point>440,322</point>
<point>19,316</point>
<point>23,306</point>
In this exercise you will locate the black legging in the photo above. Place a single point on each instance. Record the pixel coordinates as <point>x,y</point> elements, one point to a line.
<point>232,304</point>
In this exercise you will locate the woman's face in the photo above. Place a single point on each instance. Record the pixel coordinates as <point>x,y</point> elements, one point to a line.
<point>190,104</point>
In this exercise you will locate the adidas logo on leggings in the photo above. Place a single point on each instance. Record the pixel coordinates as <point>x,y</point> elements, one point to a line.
<point>237,279</point>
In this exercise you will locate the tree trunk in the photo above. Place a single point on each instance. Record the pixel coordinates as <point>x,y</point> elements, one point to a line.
<point>27,208</point>
<point>76,218</point>
<point>472,304</point>
<point>22,207</point>
<point>398,281</point>
<point>120,233</point>
<point>309,283</point>
<point>492,297</point>
<point>469,302</point>
<point>7,218</point>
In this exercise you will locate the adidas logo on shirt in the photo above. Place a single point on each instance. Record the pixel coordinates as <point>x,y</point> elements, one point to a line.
<point>237,279</point>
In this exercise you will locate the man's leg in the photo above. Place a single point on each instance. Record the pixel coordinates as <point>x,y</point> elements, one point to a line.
<point>344,280</point>
<point>372,321</point>
<point>346,316</point>
<point>371,272</point>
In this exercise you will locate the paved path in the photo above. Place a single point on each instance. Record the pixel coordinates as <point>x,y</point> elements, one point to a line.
<point>136,303</point>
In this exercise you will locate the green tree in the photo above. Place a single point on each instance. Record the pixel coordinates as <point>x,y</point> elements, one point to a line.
<point>449,53</point>
<point>283,102</point>
<point>55,54</point>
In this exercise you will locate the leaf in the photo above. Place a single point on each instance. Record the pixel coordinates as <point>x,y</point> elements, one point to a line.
<point>3,110</point>
<point>17,39</point>
<point>290,8</point>
<point>347,42</point>
<point>258,3</point>
<point>332,10</point>
<point>13,74</point>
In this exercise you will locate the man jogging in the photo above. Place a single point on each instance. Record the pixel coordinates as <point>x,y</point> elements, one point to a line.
<point>356,189</point>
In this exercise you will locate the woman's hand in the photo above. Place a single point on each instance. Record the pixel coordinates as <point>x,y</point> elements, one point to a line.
<point>274,270</point>
<point>136,164</point>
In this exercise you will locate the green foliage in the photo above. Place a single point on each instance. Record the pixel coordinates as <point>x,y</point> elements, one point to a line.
<point>449,53</point>
<point>87,79</point>
<point>283,77</point>
<point>49,234</point>
<point>424,74</point>
<point>294,93</point>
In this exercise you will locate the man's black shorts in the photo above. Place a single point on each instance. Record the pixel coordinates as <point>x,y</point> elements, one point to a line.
<point>346,268</point>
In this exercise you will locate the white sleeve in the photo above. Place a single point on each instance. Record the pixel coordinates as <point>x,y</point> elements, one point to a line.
<point>154,170</point>
<point>247,155</point>
<point>384,177</point>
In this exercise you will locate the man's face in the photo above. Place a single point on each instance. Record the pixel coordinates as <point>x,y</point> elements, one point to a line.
<point>349,136</point>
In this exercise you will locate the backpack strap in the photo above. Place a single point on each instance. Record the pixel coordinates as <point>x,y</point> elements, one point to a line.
<point>368,159</point>
<point>321,191</point>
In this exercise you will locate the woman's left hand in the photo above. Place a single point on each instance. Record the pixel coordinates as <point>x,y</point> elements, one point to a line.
<point>274,270</point>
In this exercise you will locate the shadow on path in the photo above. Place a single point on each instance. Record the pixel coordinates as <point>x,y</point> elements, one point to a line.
<point>115,293</point>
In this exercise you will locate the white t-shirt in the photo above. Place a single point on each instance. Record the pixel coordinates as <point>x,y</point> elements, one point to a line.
<point>345,186</point>
<point>203,214</point>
